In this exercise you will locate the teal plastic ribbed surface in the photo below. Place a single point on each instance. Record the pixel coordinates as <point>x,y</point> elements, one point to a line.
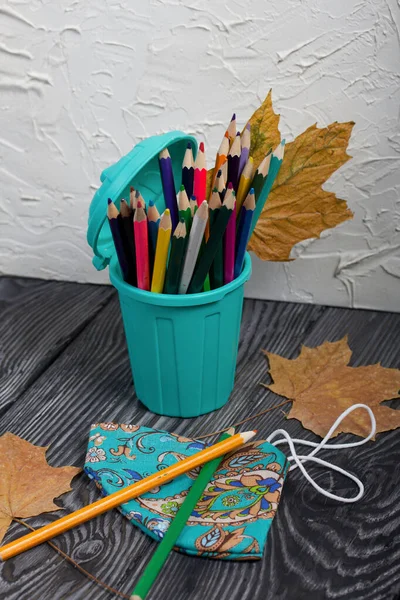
<point>182,348</point>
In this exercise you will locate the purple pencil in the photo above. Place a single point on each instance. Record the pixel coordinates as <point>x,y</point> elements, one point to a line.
<point>229,243</point>
<point>168,184</point>
<point>245,142</point>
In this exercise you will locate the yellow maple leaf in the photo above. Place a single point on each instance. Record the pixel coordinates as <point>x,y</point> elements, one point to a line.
<point>322,385</point>
<point>297,207</point>
<point>28,484</point>
<point>264,130</point>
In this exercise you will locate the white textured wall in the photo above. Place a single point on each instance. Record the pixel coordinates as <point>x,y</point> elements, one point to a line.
<point>81,82</point>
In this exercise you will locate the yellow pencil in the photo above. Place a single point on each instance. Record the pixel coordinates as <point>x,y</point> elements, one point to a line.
<point>124,495</point>
<point>160,261</point>
<point>244,184</point>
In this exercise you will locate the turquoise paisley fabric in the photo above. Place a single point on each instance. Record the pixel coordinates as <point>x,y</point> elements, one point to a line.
<point>232,519</point>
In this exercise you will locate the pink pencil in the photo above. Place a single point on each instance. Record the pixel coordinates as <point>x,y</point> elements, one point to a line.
<point>229,245</point>
<point>142,248</point>
<point>200,176</point>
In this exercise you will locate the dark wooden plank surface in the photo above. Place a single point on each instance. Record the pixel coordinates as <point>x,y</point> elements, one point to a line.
<point>78,373</point>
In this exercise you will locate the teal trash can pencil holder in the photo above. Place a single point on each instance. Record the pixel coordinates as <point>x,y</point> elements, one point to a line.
<point>182,348</point>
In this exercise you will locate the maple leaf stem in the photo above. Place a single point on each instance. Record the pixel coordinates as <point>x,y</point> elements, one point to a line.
<point>201,437</point>
<point>75,564</point>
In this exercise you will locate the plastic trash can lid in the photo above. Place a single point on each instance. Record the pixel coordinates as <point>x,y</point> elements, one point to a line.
<point>139,168</point>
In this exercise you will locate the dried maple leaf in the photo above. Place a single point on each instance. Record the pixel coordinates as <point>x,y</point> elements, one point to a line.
<point>27,483</point>
<point>297,207</point>
<point>322,386</point>
<point>265,134</point>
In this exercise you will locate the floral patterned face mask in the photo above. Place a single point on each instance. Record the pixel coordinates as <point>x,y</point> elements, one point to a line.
<point>231,520</point>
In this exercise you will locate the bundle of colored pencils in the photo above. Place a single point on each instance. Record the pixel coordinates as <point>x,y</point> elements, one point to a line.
<point>198,243</point>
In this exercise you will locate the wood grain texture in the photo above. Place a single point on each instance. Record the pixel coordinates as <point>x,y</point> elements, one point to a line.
<point>316,549</point>
<point>38,320</point>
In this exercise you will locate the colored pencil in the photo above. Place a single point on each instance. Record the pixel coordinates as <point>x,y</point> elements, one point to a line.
<point>161,257</point>
<point>176,258</point>
<point>221,158</point>
<point>243,232</point>
<point>142,248</point>
<point>132,200</point>
<point>114,220</point>
<point>245,141</point>
<point>193,205</point>
<point>167,178</point>
<point>153,222</point>
<point>128,240</point>
<point>260,175</point>
<point>123,495</point>
<point>218,229</point>
<point>185,212</point>
<point>244,184</point>
<point>220,184</point>
<point>233,162</point>
<point>276,161</point>
<point>188,170</point>
<point>217,266</point>
<point>200,176</point>
<point>192,252</point>
<point>229,248</point>
<point>176,526</point>
<point>139,198</point>
<point>232,129</point>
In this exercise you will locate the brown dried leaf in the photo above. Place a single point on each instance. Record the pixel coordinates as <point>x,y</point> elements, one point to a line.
<point>27,483</point>
<point>322,386</point>
<point>297,207</point>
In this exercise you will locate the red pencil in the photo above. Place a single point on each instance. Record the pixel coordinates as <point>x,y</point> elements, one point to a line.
<point>142,248</point>
<point>200,176</point>
<point>229,243</point>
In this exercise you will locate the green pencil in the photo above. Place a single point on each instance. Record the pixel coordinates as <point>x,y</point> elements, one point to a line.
<point>260,175</point>
<point>217,267</point>
<point>204,263</point>
<point>275,165</point>
<point>185,211</point>
<point>177,525</point>
<point>177,255</point>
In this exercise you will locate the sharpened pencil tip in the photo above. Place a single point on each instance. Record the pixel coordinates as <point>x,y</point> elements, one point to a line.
<point>248,435</point>
<point>251,190</point>
<point>233,117</point>
<point>181,189</point>
<point>230,185</point>
<point>219,173</point>
<point>238,133</point>
<point>166,211</point>
<point>201,147</point>
<point>193,197</point>
<point>248,126</point>
<point>137,194</point>
<point>109,201</point>
<point>181,220</point>
<point>151,203</point>
<point>189,146</point>
<point>283,142</point>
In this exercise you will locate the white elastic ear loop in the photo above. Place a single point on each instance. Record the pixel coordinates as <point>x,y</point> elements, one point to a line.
<point>299,459</point>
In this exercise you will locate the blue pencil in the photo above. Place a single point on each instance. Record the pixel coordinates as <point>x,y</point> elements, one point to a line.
<point>275,165</point>
<point>243,232</point>
<point>167,178</point>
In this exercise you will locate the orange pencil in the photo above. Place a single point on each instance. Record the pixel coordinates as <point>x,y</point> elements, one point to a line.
<point>142,247</point>
<point>200,176</point>
<point>232,129</point>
